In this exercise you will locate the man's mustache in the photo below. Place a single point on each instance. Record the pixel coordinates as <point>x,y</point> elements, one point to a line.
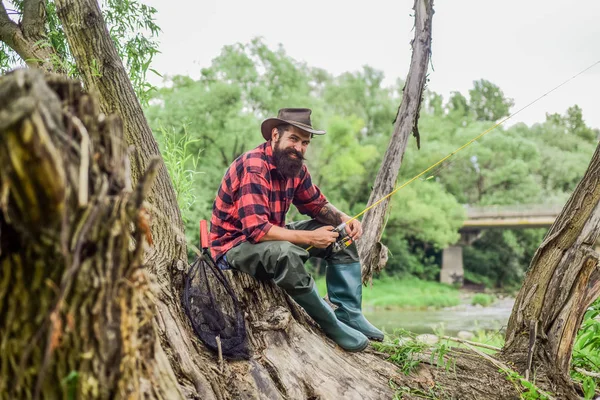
<point>298,155</point>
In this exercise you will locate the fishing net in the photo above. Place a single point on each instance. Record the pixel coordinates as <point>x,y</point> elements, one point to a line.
<point>214,310</point>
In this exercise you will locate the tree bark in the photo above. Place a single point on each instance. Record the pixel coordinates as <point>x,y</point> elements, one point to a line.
<point>373,253</point>
<point>562,281</point>
<point>75,302</point>
<point>104,75</point>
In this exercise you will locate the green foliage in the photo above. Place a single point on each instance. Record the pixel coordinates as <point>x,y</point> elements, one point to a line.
<point>502,257</point>
<point>426,212</point>
<point>341,163</point>
<point>132,27</point>
<point>488,101</point>
<point>403,350</point>
<point>527,390</point>
<point>589,388</point>
<point>434,393</point>
<point>62,59</point>
<point>406,351</point>
<point>411,257</point>
<point>492,338</point>
<point>586,349</point>
<point>482,299</point>
<point>70,381</point>
<point>182,166</point>
<point>572,123</point>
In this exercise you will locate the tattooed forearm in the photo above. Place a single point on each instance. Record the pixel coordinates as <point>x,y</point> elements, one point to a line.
<point>330,215</point>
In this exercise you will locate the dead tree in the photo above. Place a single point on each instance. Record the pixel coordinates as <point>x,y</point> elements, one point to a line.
<point>373,253</point>
<point>103,74</point>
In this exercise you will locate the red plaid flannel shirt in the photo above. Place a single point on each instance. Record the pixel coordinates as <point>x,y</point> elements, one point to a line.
<point>254,196</point>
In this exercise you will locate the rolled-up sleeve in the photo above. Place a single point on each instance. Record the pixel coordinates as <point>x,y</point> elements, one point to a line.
<point>308,197</point>
<point>254,205</point>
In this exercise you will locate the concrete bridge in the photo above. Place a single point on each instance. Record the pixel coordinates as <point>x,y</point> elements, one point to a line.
<point>492,217</point>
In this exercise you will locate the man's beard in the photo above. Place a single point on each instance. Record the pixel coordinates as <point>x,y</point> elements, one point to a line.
<point>286,165</point>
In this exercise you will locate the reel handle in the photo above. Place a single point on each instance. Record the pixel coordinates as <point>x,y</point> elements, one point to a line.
<point>343,240</point>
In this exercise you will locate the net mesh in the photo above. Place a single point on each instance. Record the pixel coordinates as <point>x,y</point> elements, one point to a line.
<point>214,310</point>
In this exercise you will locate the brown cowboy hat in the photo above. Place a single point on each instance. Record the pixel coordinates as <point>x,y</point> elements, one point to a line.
<point>298,117</point>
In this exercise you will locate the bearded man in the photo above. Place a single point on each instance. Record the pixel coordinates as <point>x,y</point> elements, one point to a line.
<point>248,230</point>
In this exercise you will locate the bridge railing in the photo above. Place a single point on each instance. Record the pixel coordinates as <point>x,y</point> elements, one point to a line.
<point>520,210</point>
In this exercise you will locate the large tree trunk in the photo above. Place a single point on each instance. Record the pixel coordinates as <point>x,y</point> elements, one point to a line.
<point>373,253</point>
<point>562,281</point>
<point>104,75</point>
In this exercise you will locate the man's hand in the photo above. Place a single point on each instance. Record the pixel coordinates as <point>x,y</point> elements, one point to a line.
<point>354,229</point>
<point>323,237</point>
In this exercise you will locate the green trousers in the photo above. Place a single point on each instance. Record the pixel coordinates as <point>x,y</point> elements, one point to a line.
<point>284,261</point>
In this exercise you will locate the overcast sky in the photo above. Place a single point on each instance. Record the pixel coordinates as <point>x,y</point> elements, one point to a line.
<point>526,47</point>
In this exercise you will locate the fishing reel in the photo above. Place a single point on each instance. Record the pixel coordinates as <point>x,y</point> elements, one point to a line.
<point>344,240</point>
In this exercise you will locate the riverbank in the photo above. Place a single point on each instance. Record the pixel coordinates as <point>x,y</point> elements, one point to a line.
<point>413,294</point>
<point>430,307</point>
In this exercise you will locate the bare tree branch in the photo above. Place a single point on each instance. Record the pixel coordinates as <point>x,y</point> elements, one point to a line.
<point>8,28</point>
<point>34,16</point>
<point>373,254</point>
<point>27,48</point>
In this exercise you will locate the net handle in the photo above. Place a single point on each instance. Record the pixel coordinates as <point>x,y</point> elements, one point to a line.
<point>203,234</point>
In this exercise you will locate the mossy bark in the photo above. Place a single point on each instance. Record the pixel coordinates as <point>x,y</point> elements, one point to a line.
<point>76,308</point>
<point>562,281</point>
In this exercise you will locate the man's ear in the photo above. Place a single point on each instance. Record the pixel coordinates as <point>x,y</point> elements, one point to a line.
<point>274,134</point>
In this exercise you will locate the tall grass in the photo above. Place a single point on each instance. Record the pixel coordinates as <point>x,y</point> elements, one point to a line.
<point>181,164</point>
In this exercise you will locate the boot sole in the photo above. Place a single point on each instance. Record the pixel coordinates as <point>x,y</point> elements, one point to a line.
<point>376,339</point>
<point>357,349</point>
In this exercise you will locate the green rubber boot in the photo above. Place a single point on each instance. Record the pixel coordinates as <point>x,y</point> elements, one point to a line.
<point>346,337</point>
<point>344,288</point>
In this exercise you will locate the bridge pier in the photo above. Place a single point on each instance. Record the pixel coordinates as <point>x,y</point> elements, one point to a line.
<point>453,270</point>
<point>452,265</point>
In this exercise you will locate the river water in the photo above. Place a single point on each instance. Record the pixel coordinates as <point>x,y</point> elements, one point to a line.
<point>465,317</point>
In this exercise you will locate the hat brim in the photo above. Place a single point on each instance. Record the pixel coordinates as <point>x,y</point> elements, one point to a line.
<point>268,124</point>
